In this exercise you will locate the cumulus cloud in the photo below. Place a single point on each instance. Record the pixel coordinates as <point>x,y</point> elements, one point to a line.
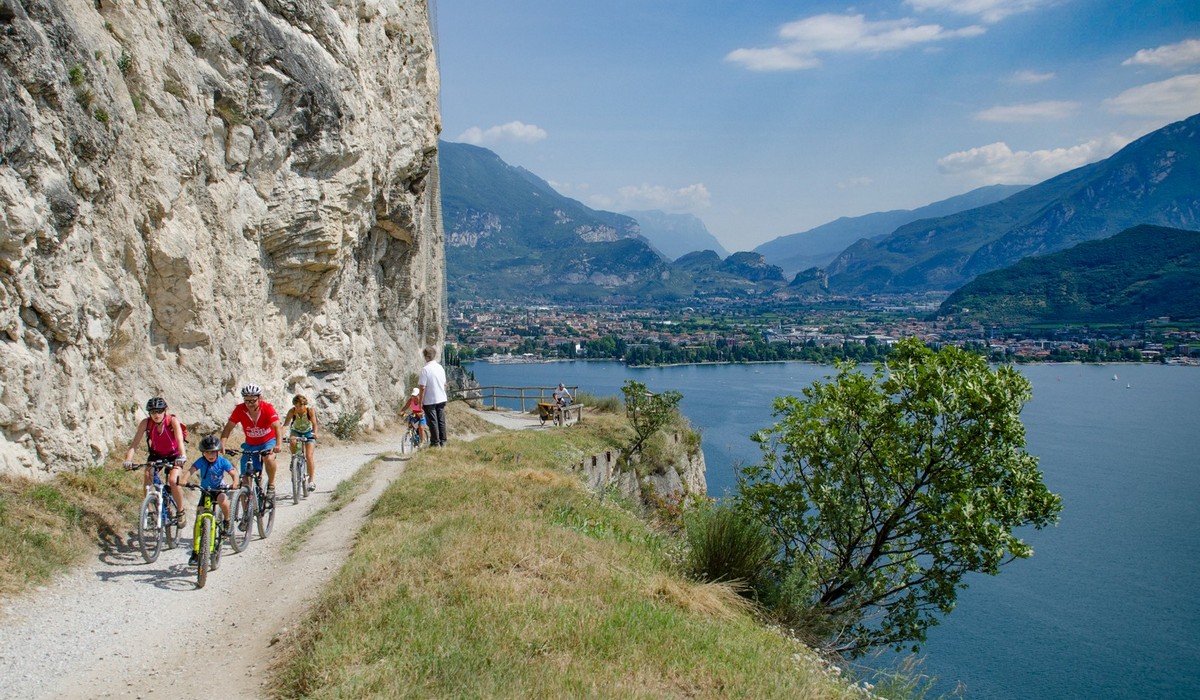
<point>1185,53</point>
<point>1030,112</point>
<point>996,163</point>
<point>990,11</point>
<point>1171,99</point>
<point>517,131</point>
<point>803,40</point>
<point>691,198</point>
<point>1030,77</point>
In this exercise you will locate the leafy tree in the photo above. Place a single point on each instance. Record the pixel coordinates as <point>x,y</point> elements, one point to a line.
<point>884,490</point>
<point>648,412</point>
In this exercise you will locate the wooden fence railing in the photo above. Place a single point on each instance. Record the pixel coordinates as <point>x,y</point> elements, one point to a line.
<point>528,396</point>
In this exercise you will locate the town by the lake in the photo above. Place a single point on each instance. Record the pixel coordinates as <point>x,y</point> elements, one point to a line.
<point>748,331</point>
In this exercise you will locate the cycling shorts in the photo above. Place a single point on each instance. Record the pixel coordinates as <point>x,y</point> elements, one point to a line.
<point>416,419</point>
<point>248,460</point>
<point>307,434</point>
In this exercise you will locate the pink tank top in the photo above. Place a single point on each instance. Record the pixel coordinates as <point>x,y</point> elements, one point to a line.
<point>160,437</point>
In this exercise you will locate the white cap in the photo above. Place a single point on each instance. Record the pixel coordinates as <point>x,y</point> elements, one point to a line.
<point>416,391</point>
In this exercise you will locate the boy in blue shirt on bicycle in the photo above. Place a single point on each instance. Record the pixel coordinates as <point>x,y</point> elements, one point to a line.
<point>213,466</point>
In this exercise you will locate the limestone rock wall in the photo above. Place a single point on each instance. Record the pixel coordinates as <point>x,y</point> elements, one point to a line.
<point>202,194</point>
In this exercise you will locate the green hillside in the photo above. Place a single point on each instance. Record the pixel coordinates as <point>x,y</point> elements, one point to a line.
<point>1150,181</point>
<point>1141,273</point>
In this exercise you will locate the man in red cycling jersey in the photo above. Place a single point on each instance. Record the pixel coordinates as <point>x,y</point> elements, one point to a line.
<point>261,426</point>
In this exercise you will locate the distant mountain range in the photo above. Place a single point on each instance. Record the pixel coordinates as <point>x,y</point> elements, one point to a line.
<point>510,236</point>
<point>818,247</point>
<point>675,235</point>
<point>1154,180</point>
<point>1143,272</point>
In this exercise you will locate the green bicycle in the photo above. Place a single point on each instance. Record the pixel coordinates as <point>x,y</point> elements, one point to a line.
<point>209,532</point>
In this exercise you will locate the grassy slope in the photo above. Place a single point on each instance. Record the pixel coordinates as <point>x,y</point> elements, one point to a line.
<point>487,571</point>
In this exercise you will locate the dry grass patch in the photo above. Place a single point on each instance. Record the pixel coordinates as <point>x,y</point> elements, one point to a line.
<point>484,575</point>
<point>47,526</point>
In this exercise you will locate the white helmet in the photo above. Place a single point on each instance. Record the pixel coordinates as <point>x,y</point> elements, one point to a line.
<point>252,390</point>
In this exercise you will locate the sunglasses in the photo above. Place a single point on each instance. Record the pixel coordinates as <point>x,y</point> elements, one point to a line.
<point>157,413</point>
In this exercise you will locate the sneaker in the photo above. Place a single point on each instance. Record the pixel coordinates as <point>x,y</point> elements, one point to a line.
<point>242,525</point>
<point>312,486</point>
<point>193,560</point>
<point>181,519</point>
<point>271,491</point>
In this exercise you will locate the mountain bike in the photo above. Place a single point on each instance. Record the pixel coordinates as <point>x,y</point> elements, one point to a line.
<point>208,534</point>
<point>250,504</point>
<point>299,468</point>
<point>157,522</point>
<point>412,439</point>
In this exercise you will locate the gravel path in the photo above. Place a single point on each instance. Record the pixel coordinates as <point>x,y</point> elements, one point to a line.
<point>118,627</point>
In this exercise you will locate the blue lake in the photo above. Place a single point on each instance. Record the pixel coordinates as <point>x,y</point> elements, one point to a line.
<point>1109,605</point>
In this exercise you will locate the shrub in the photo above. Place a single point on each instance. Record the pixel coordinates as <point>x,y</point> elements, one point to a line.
<point>346,425</point>
<point>76,75</point>
<point>125,62</point>
<point>726,546</point>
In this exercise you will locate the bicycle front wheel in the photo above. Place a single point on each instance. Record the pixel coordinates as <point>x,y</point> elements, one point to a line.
<point>170,524</point>
<point>242,526</point>
<point>202,545</point>
<point>265,516</point>
<point>296,479</point>
<point>150,532</point>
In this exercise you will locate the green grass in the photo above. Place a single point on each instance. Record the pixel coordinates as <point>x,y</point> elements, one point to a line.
<point>48,526</point>
<point>487,570</point>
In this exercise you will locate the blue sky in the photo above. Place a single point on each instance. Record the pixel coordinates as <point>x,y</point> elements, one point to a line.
<point>767,118</point>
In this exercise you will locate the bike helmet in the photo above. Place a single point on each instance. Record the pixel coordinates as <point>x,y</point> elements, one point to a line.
<point>156,404</point>
<point>210,443</point>
<point>252,390</point>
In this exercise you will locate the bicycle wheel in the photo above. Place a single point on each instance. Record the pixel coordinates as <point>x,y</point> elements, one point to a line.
<point>170,525</point>
<point>303,476</point>
<point>406,443</point>
<point>216,550</point>
<point>203,545</point>
<point>265,516</point>
<point>243,513</point>
<point>297,478</point>
<point>149,530</point>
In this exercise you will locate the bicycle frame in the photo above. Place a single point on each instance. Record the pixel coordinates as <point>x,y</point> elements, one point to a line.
<point>206,534</point>
<point>258,507</point>
<point>299,466</point>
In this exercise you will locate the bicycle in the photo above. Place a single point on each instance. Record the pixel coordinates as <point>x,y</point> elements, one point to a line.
<point>412,439</point>
<point>299,468</point>
<point>208,534</point>
<point>157,523</point>
<point>251,503</point>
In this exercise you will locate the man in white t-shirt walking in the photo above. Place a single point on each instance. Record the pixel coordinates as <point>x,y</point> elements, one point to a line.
<point>433,397</point>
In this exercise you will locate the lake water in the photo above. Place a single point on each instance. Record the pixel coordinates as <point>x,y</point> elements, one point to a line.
<point>1109,605</point>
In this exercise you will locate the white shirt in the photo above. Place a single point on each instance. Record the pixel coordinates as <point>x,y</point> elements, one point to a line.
<point>433,380</point>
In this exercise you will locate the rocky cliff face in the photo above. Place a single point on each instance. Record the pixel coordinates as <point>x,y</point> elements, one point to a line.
<point>198,195</point>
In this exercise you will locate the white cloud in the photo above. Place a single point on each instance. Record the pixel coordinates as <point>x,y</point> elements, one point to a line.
<point>1171,99</point>
<point>691,198</point>
<point>1185,53</point>
<point>989,11</point>
<point>996,163</point>
<point>855,182</point>
<point>1029,77</point>
<point>804,39</point>
<point>1030,112</point>
<point>513,131</point>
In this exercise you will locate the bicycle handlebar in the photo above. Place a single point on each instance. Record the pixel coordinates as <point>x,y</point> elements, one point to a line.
<point>198,487</point>
<point>157,464</point>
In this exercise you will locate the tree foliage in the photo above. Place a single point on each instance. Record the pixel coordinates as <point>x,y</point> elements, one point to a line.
<point>884,490</point>
<point>647,412</point>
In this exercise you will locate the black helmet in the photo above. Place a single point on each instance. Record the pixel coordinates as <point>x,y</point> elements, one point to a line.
<point>210,443</point>
<point>157,403</point>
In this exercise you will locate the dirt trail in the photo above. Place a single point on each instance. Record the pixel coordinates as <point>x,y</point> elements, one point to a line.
<point>117,627</point>
<point>120,628</point>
